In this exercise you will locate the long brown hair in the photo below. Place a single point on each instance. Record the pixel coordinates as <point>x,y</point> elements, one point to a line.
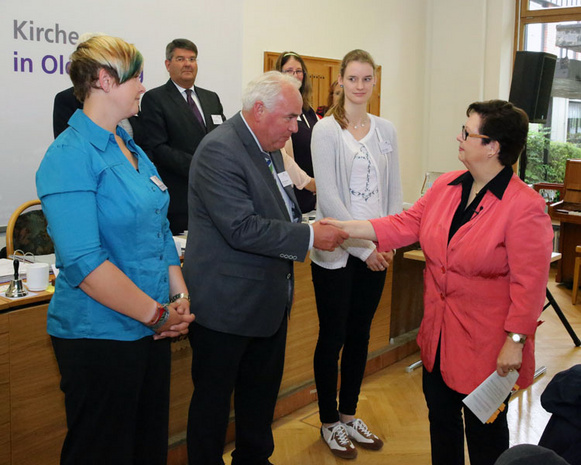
<point>338,111</point>
<point>306,88</point>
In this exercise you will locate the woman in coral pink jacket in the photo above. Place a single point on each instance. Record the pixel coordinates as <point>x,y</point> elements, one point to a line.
<point>487,242</point>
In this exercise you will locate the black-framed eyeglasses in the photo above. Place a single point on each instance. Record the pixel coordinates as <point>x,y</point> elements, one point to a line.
<point>466,134</point>
<point>298,72</point>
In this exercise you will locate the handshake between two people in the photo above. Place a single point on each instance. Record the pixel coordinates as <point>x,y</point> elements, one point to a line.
<point>331,233</point>
<point>328,234</point>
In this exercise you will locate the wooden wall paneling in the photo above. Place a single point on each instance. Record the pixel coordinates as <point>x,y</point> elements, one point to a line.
<point>379,335</point>
<point>407,293</point>
<point>5,451</point>
<point>303,330</point>
<point>37,404</point>
<point>181,390</point>
<point>374,105</point>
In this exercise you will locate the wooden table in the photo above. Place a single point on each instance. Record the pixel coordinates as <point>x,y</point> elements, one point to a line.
<point>26,301</point>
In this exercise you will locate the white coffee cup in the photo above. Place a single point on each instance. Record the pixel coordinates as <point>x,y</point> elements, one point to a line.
<point>37,276</point>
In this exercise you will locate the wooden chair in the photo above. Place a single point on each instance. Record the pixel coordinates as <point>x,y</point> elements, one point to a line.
<point>26,231</point>
<point>576,274</point>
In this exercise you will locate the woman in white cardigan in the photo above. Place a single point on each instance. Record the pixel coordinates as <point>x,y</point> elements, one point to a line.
<point>356,165</point>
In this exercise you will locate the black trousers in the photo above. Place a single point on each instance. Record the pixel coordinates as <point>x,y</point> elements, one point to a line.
<point>116,400</point>
<point>485,441</point>
<point>346,302</point>
<point>251,367</point>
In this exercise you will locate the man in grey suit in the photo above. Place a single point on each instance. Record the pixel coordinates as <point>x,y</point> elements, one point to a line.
<point>174,118</point>
<point>244,234</point>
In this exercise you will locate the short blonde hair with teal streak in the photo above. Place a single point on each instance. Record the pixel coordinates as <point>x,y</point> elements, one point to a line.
<point>120,59</point>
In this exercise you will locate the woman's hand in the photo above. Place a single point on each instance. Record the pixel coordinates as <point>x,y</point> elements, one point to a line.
<point>388,256</point>
<point>510,357</point>
<point>377,261</point>
<point>178,321</point>
<point>359,229</point>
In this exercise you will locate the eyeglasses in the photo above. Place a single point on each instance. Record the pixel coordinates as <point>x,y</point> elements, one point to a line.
<point>466,134</point>
<point>298,72</point>
<point>184,59</point>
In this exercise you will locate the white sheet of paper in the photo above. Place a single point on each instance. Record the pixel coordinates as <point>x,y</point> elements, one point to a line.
<point>490,395</point>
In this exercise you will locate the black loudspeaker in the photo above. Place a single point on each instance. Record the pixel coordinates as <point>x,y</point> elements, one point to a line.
<point>532,80</point>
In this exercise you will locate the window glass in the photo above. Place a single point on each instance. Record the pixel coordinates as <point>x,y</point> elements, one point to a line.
<point>552,143</point>
<point>542,5</point>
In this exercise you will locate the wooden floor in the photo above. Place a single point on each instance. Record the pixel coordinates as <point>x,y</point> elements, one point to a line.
<point>393,406</point>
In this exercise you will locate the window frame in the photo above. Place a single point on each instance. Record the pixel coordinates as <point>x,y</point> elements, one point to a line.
<point>524,16</point>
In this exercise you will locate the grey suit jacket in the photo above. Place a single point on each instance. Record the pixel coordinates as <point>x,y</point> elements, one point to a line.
<point>241,242</point>
<point>170,135</point>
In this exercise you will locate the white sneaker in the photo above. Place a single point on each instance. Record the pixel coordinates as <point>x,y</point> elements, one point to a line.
<point>338,441</point>
<point>358,432</point>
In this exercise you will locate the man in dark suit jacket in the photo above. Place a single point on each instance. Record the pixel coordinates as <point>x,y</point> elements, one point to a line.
<point>173,124</point>
<point>244,234</point>
<point>65,105</point>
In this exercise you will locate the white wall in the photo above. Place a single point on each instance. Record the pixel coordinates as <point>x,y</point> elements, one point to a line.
<point>393,31</point>
<point>27,96</point>
<point>469,58</point>
<point>437,57</point>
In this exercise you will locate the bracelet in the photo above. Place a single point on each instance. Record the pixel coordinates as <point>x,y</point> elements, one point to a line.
<point>179,296</point>
<point>156,316</point>
<point>160,318</point>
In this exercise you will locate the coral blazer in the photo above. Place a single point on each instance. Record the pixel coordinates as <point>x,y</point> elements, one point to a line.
<point>488,280</point>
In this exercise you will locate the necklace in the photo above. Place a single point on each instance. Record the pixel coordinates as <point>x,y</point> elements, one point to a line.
<point>360,125</point>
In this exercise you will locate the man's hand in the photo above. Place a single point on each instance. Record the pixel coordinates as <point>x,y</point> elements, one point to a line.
<point>328,237</point>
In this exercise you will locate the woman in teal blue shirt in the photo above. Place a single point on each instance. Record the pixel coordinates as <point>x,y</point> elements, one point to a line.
<point>120,293</point>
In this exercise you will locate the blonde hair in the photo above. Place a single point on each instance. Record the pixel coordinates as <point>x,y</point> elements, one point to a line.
<point>306,88</point>
<point>361,56</point>
<point>121,60</point>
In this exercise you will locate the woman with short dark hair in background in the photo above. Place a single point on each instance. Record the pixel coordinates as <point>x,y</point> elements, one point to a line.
<point>299,145</point>
<point>120,292</point>
<point>487,242</point>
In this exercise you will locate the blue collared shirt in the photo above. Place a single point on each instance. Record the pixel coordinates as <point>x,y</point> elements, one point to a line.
<point>99,207</point>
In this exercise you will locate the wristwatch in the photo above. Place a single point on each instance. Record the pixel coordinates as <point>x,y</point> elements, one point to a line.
<point>516,337</point>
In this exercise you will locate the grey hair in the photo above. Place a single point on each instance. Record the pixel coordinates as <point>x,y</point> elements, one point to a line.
<point>266,88</point>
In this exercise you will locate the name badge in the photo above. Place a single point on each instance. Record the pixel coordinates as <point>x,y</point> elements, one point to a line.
<point>385,147</point>
<point>217,119</point>
<point>285,179</point>
<point>159,183</point>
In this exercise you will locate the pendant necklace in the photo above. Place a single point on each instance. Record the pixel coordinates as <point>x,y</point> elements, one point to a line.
<point>361,124</point>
